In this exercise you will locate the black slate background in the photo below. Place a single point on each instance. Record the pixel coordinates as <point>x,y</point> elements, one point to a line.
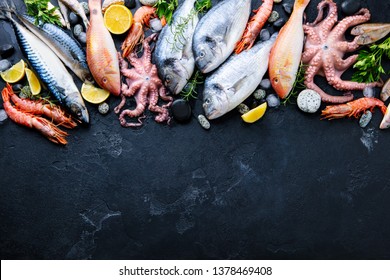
<point>287,187</point>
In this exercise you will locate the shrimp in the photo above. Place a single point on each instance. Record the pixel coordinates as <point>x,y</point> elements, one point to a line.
<point>136,35</point>
<point>47,128</point>
<point>39,107</point>
<point>254,26</point>
<point>353,108</point>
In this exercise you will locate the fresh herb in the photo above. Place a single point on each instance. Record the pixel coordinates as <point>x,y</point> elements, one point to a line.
<point>369,63</point>
<point>165,9</point>
<point>201,6</point>
<point>189,91</point>
<point>179,40</point>
<point>298,86</point>
<point>39,10</point>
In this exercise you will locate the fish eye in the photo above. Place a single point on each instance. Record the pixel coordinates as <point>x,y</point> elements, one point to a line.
<point>104,80</point>
<point>168,79</point>
<point>207,101</point>
<point>202,54</point>
<point>276,80</point>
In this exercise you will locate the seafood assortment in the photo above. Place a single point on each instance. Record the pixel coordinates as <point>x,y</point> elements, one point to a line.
<point>102,56</point>
<point>173,55</point>
<point>218,32</point>
<point>226,47</point>
<point>284,59</point>
<point>254,26</point>
<point>324,50</point>
<point>236,79</point>
<point>24,113</point>
<point>51,71</point>
<point>143,83</point>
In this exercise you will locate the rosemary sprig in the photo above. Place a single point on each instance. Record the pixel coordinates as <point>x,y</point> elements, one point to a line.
<point>201,6</point>
<point>369,63</point>
<point>39,10</point>
<point>189,91</point>
<point>298,85</point>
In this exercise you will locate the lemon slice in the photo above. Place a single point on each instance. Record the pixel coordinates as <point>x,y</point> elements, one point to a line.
<point>93,94</point>
<point>15,73</point>
<point>118,19</point>
<point>35,85</point>
<point>255,114</point>
<point>108,3</point>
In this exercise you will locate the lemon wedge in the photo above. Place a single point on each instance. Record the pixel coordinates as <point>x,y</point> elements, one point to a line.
<point>93,94</point>
<point>35,85</point>
<point>118,19</point>
<point>15,73</point>
<point>255,114</point>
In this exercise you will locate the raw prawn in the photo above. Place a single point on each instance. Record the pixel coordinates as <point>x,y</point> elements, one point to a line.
<point>39,107</point>
<point>254,26</point>
<point>353,108</point>
<point>136,34</point>
<point>47,128</point>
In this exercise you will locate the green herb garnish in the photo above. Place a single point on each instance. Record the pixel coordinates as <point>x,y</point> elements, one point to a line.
<point>202,6</point>
<point>189,90</point>
<point>369,63</point>
<point>39,10</point>
<point>165,9</point>
<point>298,86</point>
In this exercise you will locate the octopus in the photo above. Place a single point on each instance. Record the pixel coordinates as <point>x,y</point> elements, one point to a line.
<point>325,48</point>
<point>142,83</point>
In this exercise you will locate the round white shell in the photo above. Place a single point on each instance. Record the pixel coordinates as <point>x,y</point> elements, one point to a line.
<point>309,101</point>
<point>148,2</point>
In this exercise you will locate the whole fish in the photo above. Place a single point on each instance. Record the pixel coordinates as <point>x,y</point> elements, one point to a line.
<point>173,55</point>
<point>64,46</point>
<point>287,51</point>
<point>51,70</point>
<point>236,79</point>
<point>218,32</point>
<point>77,8</point>
<point>102,56</point>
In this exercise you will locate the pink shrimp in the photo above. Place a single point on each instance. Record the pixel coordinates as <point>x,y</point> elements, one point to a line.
<point>254,26</point>
<point>39,107</point>
<point>47,128</point>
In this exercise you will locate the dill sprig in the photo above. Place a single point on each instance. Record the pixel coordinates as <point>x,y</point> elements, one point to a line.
<point>369,63</point>
<point>39,10</point>
<point>165,9</point>
<point>189,91</point>
<point>298,86</point>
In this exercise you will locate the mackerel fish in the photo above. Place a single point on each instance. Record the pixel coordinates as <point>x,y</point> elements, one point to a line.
<point>173,55</point>
<point>64,46</point>
<point>236,79</point>
<point>218,32</point>
<point>50,70</point>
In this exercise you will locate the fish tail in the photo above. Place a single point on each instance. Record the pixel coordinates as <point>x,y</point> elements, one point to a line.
<point>6,11</point>
<point>301,4</point>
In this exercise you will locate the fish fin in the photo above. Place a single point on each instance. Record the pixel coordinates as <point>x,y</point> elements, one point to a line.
<point>238,84</point>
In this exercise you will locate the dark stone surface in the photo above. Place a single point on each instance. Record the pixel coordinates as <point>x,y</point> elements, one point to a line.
<point>287,187</point>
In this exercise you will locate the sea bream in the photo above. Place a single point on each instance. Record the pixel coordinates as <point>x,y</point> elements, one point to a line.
<point>236,79</point>
<point>64,46</point>
<point>50,70</point>
<point>173,55</point>
<point>218,32</point>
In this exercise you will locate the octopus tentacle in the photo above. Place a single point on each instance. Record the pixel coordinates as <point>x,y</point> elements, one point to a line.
<point>344,64</point>
<point>325,24</point>
<point>362,16</point>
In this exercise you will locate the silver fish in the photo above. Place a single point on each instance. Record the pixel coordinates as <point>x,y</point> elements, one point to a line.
<point>218,32</point>
<point>77,8</point>
<point>64,46</point>
<point>50,70</point>
<point>236,79</point>
<point>173,55</point>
